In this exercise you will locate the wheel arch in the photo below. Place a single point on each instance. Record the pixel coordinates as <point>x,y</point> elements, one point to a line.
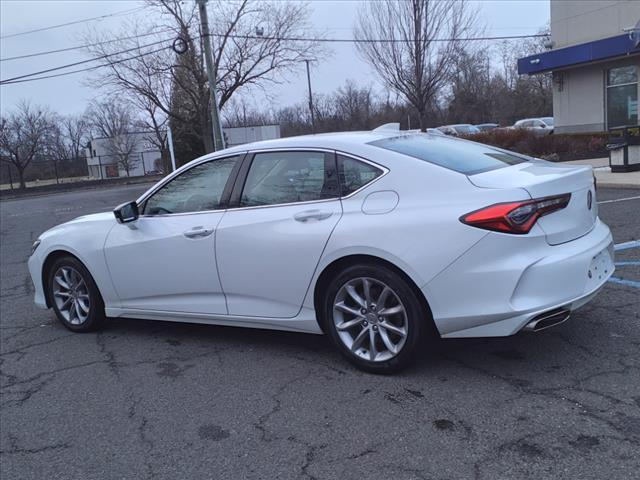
<point>46,270</point>
<point>359,259</point>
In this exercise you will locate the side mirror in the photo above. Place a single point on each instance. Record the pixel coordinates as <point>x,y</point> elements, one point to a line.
<point>127,212</point>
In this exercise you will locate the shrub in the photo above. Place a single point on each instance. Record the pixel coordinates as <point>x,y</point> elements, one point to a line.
<point>560,147</point>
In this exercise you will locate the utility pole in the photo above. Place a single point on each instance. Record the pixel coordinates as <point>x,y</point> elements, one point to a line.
<point>218,138</point>
<point>170,142</point>
<point>313,119</point>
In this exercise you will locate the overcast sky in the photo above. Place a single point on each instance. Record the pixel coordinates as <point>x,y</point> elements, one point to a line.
<point>334,17</point>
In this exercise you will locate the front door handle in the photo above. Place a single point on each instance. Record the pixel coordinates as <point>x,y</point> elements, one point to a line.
<point>312,215</point>
<point>198,232</point>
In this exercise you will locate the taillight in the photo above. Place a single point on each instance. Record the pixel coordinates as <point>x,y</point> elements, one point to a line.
<point>515,217</point>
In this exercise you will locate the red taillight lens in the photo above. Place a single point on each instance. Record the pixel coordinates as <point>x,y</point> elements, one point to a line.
<point>515,217</point>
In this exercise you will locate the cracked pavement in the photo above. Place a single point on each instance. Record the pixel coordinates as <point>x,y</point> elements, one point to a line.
<point>143,399</point>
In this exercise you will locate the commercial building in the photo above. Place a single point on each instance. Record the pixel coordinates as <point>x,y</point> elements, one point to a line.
<point>112,157</point>
<point>594,56</point>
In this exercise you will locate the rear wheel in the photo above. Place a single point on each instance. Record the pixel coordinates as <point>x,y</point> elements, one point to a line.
<point>374,318</point>
<point>74,295</point>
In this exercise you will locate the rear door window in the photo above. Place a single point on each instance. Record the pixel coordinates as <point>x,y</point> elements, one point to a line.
<point>465,157</point>
<point>289,177</point>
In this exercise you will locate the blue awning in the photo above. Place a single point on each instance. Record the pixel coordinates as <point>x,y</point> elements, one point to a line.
<point>611,47</point>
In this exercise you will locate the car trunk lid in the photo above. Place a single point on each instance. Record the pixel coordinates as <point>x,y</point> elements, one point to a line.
<point>545,179</point>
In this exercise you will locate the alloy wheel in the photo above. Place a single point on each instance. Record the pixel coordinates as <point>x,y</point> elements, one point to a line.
<point>370,319</point>
<point>71,295</point>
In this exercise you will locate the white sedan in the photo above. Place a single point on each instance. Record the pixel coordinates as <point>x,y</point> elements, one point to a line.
<point>377,239</point>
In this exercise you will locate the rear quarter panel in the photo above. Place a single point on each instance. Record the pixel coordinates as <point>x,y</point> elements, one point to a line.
<point>422,235</point>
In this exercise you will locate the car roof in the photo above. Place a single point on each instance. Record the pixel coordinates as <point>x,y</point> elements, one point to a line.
<point>336,140</point>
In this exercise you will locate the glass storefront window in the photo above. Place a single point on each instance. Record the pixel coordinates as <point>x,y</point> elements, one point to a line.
<point>622,96</point>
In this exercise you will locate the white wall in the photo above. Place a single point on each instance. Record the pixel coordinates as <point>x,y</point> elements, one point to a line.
<point>579,21</point>
<point>581,104</point>
<point>240,135</point>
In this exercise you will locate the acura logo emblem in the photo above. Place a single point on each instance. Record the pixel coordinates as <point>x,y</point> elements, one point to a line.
<point>589,199</point>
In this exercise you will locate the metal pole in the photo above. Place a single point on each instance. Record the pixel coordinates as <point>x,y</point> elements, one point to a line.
<point>144,170</point>
<point>100,167</point>
<point>218,138</point>
<point>170,142</point>
<point>10,179</point>
<point>313,119</point>
<point>55,169</point>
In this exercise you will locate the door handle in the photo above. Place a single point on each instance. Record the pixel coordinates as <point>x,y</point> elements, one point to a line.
<point>312,214</point>
<point>198,232</point>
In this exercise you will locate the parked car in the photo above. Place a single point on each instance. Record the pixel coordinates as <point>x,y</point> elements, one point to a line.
<point>483,127</point>
<point>434,131</point>
<point>376,239</point>
<point>540,126</point>
<point>459,129</point>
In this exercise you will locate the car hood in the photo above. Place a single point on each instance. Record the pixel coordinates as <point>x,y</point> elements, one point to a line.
<point>90,221</point>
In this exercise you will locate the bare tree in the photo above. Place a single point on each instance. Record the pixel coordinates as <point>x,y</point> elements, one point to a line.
<point>68,137</point>
<point>114,121</point>
<point>412,44</point>
<point>250,48</point>
<point>23,136</point>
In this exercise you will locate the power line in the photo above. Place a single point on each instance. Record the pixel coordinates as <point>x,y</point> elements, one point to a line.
<point>373,40</point>
<point>25,78</point>
<point>122,12</point>
<point>62,67</point>
<point>83,69</point>
<point>88,45</point>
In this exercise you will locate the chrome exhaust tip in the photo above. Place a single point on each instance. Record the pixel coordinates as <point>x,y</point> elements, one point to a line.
<point>547,319</point>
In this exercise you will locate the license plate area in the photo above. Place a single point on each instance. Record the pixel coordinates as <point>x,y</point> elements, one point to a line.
<point>599,270</point>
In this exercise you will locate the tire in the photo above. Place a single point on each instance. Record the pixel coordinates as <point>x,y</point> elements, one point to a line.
<point>74,295</point>
<point>401,318</point>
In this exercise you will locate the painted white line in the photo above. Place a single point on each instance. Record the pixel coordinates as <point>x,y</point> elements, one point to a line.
<point>619,200</point>
<point>627,245</point>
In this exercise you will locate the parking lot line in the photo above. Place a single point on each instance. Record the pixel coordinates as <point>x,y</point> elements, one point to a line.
<point>622,281</point>
<point>627,245</point>
<point>619,200</point>
<point>626,264</point>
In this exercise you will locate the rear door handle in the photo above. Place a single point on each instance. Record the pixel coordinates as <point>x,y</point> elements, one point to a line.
<point>312,215</point>
<point>198,232</point>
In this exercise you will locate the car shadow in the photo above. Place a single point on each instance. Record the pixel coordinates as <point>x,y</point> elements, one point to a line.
<point>549,351</point>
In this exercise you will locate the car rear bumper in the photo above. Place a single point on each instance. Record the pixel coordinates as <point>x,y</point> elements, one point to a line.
<point>503,282</point>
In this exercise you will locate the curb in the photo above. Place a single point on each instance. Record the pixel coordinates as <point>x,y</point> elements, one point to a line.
<point>634,186</point>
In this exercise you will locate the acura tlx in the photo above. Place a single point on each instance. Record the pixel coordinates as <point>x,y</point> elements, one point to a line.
<point>377,239</point>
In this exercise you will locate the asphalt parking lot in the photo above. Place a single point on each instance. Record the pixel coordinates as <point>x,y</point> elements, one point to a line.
<point>144,399</point>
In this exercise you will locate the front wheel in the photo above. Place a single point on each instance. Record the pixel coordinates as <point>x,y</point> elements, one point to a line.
<point>74,296</point>
<point>374,318</point>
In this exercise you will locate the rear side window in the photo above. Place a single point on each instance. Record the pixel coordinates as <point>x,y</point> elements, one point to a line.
<point>465,157</point>
<point>354,174</point>
<point>289,177</point>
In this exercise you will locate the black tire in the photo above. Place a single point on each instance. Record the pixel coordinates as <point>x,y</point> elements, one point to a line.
<point>95,316</point>
<point>417,319</point>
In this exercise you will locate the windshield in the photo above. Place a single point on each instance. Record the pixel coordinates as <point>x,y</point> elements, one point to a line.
<point>548,120</point>
<point>465,157</point>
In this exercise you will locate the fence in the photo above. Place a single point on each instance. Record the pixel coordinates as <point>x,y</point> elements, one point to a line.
<point>48,171</point>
